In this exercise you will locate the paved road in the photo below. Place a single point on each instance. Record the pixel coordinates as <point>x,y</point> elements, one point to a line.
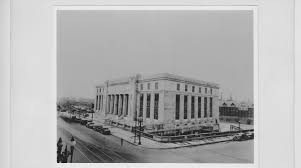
<point>93,147</point>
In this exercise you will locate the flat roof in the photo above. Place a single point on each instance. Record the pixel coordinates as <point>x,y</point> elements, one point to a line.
<point>161,76</point>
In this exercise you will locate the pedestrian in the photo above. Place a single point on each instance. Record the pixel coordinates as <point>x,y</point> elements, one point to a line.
<point>121,141</point>
<point>65,155</point>
<point>59,150</point>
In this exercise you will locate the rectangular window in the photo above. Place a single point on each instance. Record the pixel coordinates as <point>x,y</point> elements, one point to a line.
<point>205,107</point>
<point>177,107</point>
<point>148,86</point>
<point>141,86</point>
<point>156,107</point>
<point>210,90</point>
<point>205,90</point>
<point>121,104</point>
<point>178,86</point>
<point>192,106</point>
<point>113,104</point>
<point>156,86</point>
<point>192,88</point>
<point>148,99</point>
<point>199,107</point>
<point>186,88</point>
<point>185,107</point>
<point>127,105</point>
<point>210,107</point>
<point>141,106</point>
<point>117,103</point>
<point>200,90</point>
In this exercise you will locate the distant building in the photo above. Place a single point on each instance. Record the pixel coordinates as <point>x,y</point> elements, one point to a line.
<point>232,111</point>
<point>163,101</point>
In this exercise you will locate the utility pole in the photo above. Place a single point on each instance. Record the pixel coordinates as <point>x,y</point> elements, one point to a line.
<point>135,129</point>
<point>140,126</point>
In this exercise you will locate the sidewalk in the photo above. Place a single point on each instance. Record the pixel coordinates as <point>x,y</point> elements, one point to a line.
<point>151,144</point>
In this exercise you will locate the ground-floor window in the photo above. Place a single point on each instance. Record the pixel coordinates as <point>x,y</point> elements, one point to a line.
<point>156,107</point>
<point>199,107</point>
<point>141,106</point>
<point>192,106</point>
<point>148,99</point>
<point>177,117</point>
<point>210,106</point>
<point>205,107</point>
<point>185,107</point>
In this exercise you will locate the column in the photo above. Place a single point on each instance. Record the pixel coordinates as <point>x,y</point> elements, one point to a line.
<point>108,104</point>
<point>189,107</point>
<point>124,106</point>
<point>99,104</point>
<point>161,107</point>
<point>137,110</point>
<point>152,104</point>
<point>111,104</point>
<point>115,104</point>
<point>181,107</point>
<point>144,106</point>
<point>196,105</point>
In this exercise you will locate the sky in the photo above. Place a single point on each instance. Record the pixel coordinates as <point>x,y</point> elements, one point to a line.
<point>214,46</point>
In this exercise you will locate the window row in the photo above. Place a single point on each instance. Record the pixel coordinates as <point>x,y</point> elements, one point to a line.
<point>193,89</point>
<point>149,86</point>
<point>192,106</point>
<point>99,90</point>
<point>148,105</point>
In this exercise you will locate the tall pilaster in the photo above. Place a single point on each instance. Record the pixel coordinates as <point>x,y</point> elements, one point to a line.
<point>189,107</point>
<point>152,104</point>
<point>144,105</point>
<point>181,107</point>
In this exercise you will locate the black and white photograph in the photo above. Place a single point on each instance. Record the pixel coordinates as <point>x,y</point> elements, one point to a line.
<point>156,86</point>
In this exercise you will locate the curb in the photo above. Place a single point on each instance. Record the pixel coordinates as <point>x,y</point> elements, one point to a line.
<point>172,147</point>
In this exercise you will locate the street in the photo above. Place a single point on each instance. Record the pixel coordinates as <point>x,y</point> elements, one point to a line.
<point>93,147</point>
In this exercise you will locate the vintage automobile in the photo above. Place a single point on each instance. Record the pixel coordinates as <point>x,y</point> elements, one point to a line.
<point>90,125</point>
<point>102,130</point>
<point>85,121</point>
<point>250,135</point>
<point>105,131</point>
<point>75,119</point>
<point>97,127</point>
<point>238,137</point>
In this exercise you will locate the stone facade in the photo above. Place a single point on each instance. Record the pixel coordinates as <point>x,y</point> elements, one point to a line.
<point>159,100</point>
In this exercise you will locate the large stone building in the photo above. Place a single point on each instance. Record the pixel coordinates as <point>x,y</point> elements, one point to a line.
<point>164,101</point>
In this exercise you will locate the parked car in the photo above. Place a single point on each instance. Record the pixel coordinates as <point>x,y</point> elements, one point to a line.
<point>242,137</point>
<point>104,130</point>
<point>85,121</point>
<point>75,119</point>
<point>97,127</point>
<point>90,125</point>
<point>250,135</point>
<point>237,136</point>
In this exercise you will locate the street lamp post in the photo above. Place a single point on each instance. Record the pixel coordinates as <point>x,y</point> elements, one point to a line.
<point>73,143</point>
<point>135,129</point>
<point>140,126</point>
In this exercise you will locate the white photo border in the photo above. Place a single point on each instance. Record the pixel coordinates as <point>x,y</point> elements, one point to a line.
<point>253,8</point>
